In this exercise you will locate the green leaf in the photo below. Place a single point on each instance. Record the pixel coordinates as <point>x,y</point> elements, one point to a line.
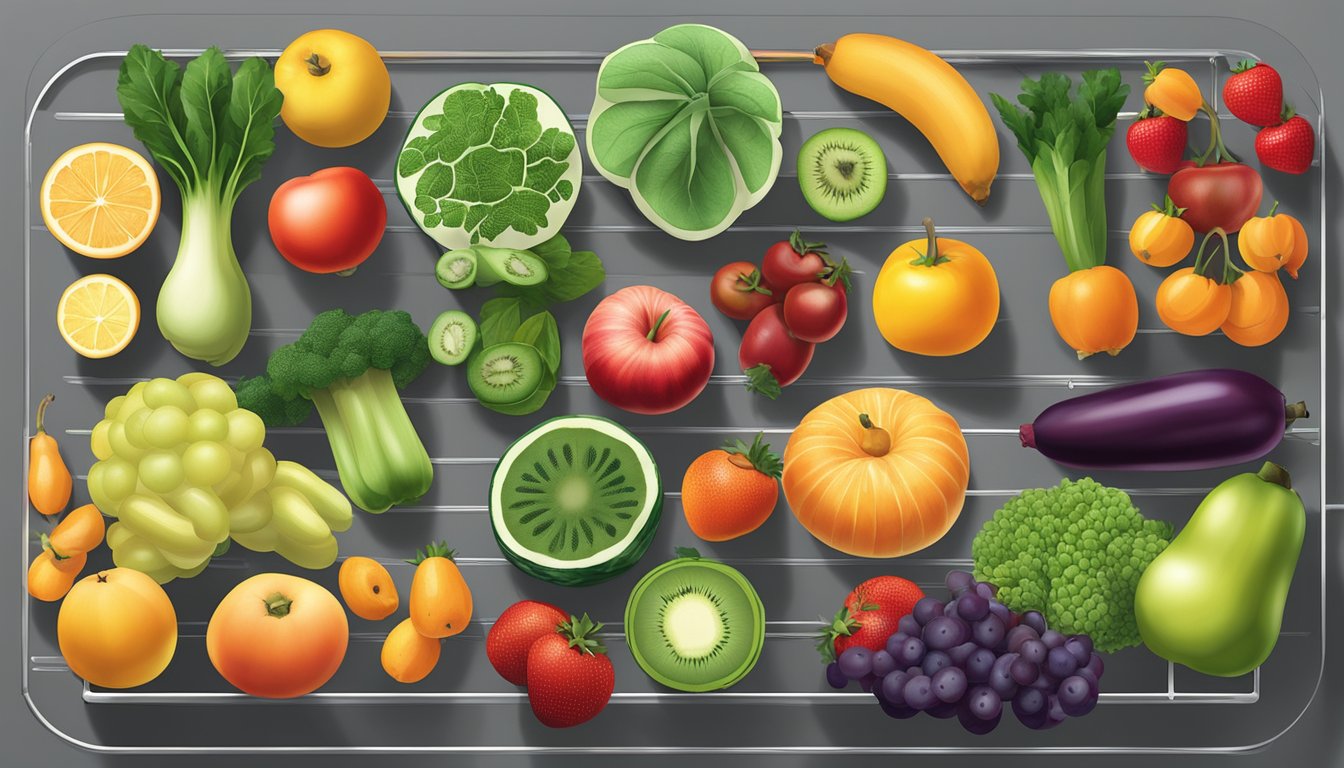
<point>148,87</point>
<point>690,552</point>
<point>690,126</point>
<point>762,381</point>
<point>542,332</point>
<point>485,175</point>
<point>500,320</point>
<point>206,86</point>
<point>582,273</point>
<point>555,252</point>
<point>518,126</point>
<point>249,126</point>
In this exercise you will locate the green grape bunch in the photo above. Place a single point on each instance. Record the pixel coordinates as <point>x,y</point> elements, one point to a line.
<point>183,469</point>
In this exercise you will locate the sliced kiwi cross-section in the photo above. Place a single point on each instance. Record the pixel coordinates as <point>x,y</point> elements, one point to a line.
<point>575,501</point>
<point>452,337</point>
<point>695,625</point>
<point>456,269</point>
<point>505,373</point>
<point>842,172</point>
<point>508,265</point>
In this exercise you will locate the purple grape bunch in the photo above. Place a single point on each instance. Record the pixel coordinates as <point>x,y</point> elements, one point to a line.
<point>972,658</point>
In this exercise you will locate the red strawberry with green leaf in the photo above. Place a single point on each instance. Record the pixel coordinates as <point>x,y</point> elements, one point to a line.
<point>869,616</point>
<point>1156,141</point>
<point>1289,147</point>
<point>569,677</point>
<point>513,634</point>
<point>1254,93</point>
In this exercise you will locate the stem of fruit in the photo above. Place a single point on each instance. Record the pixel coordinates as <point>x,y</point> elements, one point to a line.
<point>1273,208</point>
<point>1216,149</point>
<point>1201,262</point>
<point>1294,411</point>
<point>316,67</point>
<point>930,257</point>
<point>653,332</point>
<point>42,404</point>
<point>1273,473</point>
<point>876,440</point>
<point>277,605</point>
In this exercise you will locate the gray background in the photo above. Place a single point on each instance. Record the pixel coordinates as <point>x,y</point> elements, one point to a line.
<point>28,30</point>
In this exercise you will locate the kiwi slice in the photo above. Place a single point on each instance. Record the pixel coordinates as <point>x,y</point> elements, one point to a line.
<point>695,625</point>
<point>508,265</point>
<point>842,172</point>
<point>505,373</point>
<point>575,501</point>
<point>456,269</point>
<point>452,337</point>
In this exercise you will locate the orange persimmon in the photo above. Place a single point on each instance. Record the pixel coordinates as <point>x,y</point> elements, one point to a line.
<point>1190,302</point>
<point>1173,91</point>
<point>80,532</point>
<point>1095,310</point>
<point>731,491</point>
<point>51,577</point>
<point>407,655</point>
<point>440,598</point>
<point>1259,309</point>
<point>876,472</point>
<point>1267,242</point>
<point>367,588</point>
<point>1160,237</point>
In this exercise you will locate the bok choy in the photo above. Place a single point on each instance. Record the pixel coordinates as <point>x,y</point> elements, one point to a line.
<point>211,130</point>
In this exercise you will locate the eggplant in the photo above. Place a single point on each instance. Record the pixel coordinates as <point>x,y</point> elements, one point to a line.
<point>1192,420</point>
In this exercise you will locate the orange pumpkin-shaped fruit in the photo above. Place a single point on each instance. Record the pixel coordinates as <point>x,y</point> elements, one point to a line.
<point>1095,310</point>
<point>1173,91</point>
<point>876,472</point>
<point>1267,242</point>
<point>1300,244</point>
<point>1160,237</point>
<point>1259,309</point>
<point>1192,304</point>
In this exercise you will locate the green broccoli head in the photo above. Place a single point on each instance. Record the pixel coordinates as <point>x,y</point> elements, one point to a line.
<point>1075,553</point>
<point>256,395</point>
<point>338,345</point>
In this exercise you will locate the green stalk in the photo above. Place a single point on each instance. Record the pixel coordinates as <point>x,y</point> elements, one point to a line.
<point>204,308</point>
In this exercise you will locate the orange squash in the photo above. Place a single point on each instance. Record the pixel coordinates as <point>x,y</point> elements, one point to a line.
<point>876,472</point>
<point>1160,237</point>
<point>1191,303</point>
<point>1172,90</point>
<point>1095,310</point>
<point>1259,309</point>
<point>1268,242</point>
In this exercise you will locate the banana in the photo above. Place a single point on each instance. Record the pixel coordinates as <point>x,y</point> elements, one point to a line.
<point>929,93</point>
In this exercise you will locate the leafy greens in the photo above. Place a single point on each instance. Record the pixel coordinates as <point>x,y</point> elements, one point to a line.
<point>490,164</point>
<point>211,130</point>
<point>687,122</point>
<point>1065,140</point>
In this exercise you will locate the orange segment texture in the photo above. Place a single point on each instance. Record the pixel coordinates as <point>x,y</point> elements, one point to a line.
<point>100,200</point>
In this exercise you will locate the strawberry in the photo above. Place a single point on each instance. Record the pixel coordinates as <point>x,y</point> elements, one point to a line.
<point>569,677</point>
<point>870,615</point>
<point>1289,147</point>
<point>1156,141</point>
<point>514,632</point>
<point>1254,93</point>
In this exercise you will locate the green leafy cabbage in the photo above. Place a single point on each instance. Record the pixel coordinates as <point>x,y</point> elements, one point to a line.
<point>490,164</point>
<point>687,122</point>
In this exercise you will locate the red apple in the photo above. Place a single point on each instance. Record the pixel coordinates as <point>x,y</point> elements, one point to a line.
<point>647,351</point>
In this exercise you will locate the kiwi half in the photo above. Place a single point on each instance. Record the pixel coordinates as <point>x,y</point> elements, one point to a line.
<point>456,269</point>
<point>505,373</point>
<point>842,172</point>
<point>575,501</point>
<point>494,265</point>
<point>452,337</point>
<point>695,625</point>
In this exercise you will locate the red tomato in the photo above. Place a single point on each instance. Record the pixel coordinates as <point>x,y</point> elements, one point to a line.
<point>328,222</point>
<point>793,261</point>
<point>767,342</point>
<point>815,312</point>
<point>1215,195</point>
<point>740,291</point>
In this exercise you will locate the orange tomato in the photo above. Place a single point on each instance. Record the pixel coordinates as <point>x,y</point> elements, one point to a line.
<point>1160,237</point>
<point>1259,309</point>
<point>409,656</point>
<point>367,588</point>
<point>50,578</point>
<point>277,636</point>
<point>440,598</point>
<point>730,492</point>
<point>1095,310</point>
<point>1267,243</point>
<point>1192,304</point>
<point>881,486</point>
<point>1298,257</point>
<point>117,628</point>
<point>936,296</point>
<point>1173,91</point>
<point>81,531</point>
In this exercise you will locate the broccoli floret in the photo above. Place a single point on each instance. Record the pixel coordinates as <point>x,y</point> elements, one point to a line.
<point>350,367</point>
<point>1075,553</point>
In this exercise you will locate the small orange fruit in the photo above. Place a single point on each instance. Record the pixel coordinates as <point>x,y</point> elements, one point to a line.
<point>730,492</point>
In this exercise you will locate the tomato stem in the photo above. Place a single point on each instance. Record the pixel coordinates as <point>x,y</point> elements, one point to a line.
<point>42,404</point>
<point>653,332</point>
<point>803,247</point>
<point>930,257</point>
<point>1216,149</point>
<point>277,605</point>
<point>1202,263</point>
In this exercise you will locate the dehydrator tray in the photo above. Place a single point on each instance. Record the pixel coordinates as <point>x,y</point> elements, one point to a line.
<point>784,705</point>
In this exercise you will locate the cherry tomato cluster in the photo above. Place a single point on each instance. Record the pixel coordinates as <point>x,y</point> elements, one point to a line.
<point>794,300</point>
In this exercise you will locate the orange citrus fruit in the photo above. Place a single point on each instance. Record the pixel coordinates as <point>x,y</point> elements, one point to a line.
<point>100,200</point>
<point>98,315</point>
